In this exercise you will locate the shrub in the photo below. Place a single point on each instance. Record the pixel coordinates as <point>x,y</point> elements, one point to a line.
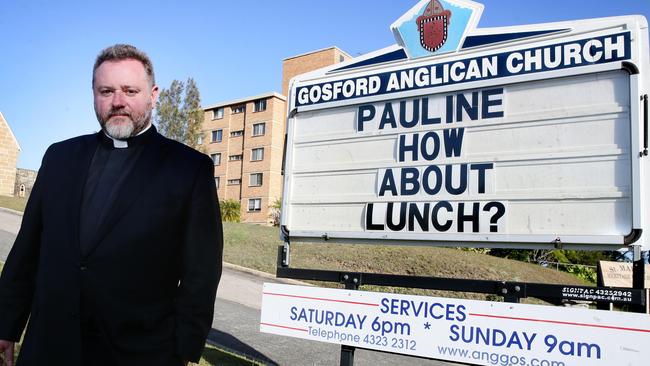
<point>275,211</point>
<point>230,210</point>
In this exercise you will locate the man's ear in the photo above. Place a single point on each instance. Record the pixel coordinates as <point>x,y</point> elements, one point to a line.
<point>154,95</point>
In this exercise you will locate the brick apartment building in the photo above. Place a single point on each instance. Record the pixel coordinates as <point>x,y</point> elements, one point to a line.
<point>245,139</point>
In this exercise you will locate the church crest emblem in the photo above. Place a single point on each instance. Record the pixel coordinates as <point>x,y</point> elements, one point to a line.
<point>433,26</point>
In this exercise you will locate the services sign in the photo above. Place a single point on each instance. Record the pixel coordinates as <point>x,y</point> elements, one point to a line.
<point>466,331</point>
<point>529,136</point>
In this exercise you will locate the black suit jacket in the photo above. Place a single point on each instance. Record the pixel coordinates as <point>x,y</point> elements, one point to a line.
<point>152,272</point>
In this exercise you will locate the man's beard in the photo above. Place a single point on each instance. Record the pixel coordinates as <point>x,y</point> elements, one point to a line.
<point>124,124</point>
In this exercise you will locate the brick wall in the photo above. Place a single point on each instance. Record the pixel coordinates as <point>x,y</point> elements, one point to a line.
<point>8,158</point>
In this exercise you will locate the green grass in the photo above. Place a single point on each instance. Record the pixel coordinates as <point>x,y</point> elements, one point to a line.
<point>212,356</point>
<point>14,203</point>
<point>255,246</point>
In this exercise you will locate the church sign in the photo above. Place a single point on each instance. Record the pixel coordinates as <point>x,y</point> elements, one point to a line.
<point>528,136</point>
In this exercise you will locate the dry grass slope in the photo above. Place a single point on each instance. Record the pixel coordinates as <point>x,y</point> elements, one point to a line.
<point>255,246</point>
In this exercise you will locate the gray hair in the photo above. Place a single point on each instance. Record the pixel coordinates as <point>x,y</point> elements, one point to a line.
<point>121,52</point>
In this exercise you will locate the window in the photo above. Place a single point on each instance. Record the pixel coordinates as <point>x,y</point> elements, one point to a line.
<point>239,109</point>
<point>235,157</point>
<point>216,181</point>
<point>199,139</point>
<point>259,129</point>
<point>237,133</point>
<point>260,105</point>
<point>216,158</point>
<point>234,181</point>
<point>217,113</point>
<point>255,204</point>
<point>341,58</point>
<point>257,154</point>
<point>255,180</point>
<point>217,135</point>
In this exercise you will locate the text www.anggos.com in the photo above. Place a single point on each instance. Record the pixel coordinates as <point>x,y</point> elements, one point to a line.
<point>492,358</point>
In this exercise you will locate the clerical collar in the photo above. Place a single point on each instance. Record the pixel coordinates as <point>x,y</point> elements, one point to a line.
<point>136,140</point>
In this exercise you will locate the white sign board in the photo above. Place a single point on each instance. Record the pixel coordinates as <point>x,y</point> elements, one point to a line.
<point>534,143</point>
<point>474,332</point>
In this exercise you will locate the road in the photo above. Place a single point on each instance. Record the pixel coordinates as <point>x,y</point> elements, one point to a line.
<point>237,316</point>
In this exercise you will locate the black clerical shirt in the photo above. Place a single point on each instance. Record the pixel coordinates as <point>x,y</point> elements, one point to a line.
<point>108,171</point>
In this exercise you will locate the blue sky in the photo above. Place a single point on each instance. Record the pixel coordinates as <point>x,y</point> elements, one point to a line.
<point>232,49</point>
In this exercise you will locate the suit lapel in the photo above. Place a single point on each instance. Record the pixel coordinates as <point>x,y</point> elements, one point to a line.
<point>136,181</point>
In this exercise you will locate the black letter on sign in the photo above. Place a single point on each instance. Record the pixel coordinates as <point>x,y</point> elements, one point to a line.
<point>388,183</point>
<point>369,224</point>
<point>473,217</point>
<point>453,138</point>
<point>434,216</point>
<point>426,120</point>
<point>486,103</point>
<point>462,185</point>
<point>425,142</point>
<point>463,104</point>
<point>409,176</point>
<point>481,174</point>
<point>388,117</point>
<point>421,217</point>
<point>362,117</point>
<point>450,109</point>
<point>402,217</point>
<point>413,148</point>
<point>415,117</point>
<point>501,209</point>
<point>438,179</point>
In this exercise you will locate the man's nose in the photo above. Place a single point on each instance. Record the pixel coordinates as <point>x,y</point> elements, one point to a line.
<point>118,99</point>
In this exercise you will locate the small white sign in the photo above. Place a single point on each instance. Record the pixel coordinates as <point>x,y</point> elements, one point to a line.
<point>467,331</point>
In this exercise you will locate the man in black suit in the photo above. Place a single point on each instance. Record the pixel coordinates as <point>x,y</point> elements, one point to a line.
<point>119,254</point>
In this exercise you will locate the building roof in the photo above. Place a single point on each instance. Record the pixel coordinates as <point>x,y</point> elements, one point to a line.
<point>4,122</point>
<point>316,51</point>
<point>244,100</point>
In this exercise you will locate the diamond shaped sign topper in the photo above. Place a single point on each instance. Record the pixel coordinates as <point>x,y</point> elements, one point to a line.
<point>433,27</point>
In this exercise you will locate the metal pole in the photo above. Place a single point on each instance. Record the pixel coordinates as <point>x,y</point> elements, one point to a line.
<point>347,352</point>
<point>347,355</point>
<point>638,277</point>
<point>600,282</point>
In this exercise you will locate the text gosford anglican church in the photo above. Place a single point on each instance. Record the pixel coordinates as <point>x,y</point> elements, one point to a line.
<point>415,180</point>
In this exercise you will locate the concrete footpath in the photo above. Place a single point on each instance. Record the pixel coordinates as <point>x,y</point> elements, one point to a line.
<point>237,316</point>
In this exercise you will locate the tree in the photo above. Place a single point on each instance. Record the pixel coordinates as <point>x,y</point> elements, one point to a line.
<point>179,114</point>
